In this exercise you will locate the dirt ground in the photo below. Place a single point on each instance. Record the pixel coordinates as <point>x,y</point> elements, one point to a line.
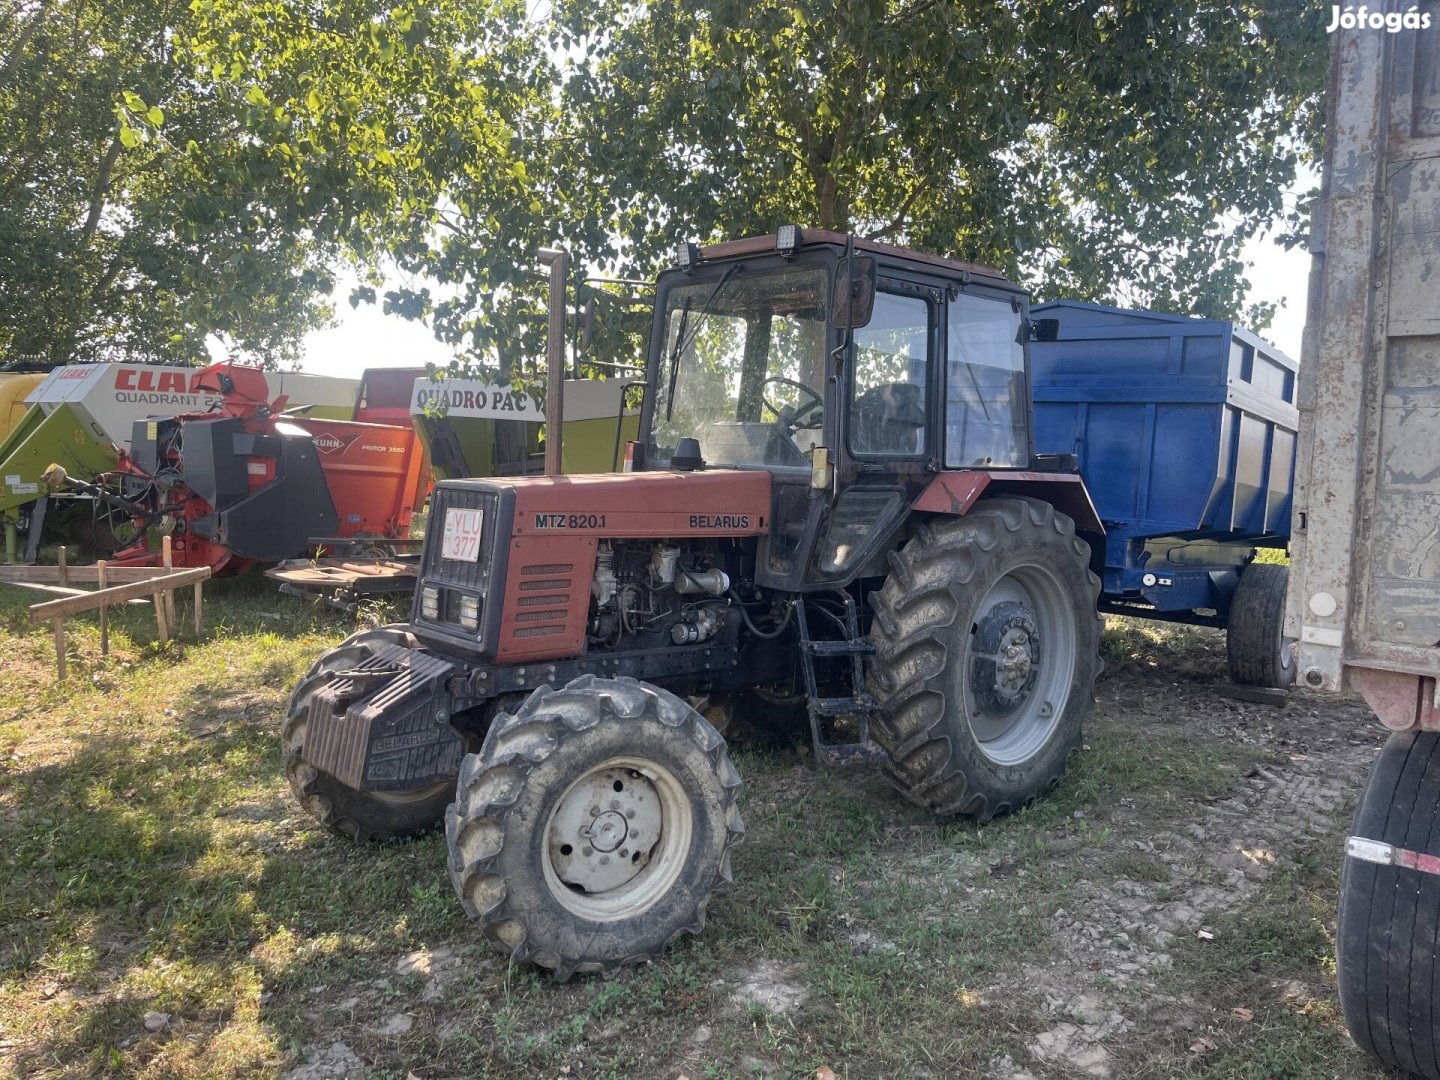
<point>1167,911</point>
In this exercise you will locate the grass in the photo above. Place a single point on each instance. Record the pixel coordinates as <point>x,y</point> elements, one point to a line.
<point>155,863</point>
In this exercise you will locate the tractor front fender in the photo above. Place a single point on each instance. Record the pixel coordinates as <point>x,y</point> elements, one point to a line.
<point>956,492</point>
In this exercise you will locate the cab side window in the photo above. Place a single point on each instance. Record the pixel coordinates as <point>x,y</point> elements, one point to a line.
<point>985,422</point>
<point>887,411</point>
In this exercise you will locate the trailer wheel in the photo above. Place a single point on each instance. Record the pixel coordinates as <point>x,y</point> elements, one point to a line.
<point>594,825</point>
<point>1386,936</point>
<point>1255,642</point>
<point>359,815</point>
<point>987,646</point>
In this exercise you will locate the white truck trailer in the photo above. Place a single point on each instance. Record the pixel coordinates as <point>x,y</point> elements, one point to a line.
<point>1365,585</point>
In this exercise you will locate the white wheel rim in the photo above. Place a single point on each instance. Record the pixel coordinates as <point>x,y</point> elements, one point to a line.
<point>1012,738</point>
<point>617,839</point>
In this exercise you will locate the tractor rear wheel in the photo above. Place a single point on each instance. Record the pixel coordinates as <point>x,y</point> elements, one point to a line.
<point>987,644</point>
<point>360,815</point>
<point>594,825</point>
<point>1385,938</point>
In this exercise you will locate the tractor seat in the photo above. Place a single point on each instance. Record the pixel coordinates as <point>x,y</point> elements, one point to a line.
<point>888,419</point>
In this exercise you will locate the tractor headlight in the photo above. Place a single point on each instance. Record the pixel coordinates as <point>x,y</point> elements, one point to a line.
<point>470,612</point>
<point>430,602</point>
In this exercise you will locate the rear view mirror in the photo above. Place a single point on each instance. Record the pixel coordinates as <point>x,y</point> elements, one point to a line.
<point>854,292</point>
<point>1044,329</point>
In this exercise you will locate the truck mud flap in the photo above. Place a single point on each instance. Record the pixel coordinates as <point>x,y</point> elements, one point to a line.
<point>375,728</point>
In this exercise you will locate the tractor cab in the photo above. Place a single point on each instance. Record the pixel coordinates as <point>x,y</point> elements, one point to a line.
<point>853,372</point>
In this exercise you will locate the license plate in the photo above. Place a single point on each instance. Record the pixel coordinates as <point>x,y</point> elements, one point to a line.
<point>461,541</point>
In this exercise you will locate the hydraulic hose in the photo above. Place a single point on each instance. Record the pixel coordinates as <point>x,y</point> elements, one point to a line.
<point>745,615</point>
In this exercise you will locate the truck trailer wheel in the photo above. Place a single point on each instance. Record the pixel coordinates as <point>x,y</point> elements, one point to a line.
<point>1386,937</point>
<point>1255,642</point>
<point>360,815</point>
<point>987,646</point>
<point>594,825</point>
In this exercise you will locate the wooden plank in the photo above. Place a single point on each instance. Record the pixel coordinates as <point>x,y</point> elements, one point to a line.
<point>115,593</point>
<point>168,597</point>
<point>60,565</point>
<point>199,627</point>
<point>60,648</point>
<point>104,612</point>
<point>60,590</point>
<point>162,622</point>
<point>81,575</point>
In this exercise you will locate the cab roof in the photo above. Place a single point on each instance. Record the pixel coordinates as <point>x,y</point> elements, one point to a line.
<point>757,245</point>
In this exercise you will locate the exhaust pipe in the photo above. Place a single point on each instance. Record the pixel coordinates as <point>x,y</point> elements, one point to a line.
<point>558,262</point>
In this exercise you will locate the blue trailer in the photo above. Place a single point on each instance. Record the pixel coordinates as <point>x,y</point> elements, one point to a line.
<point>1184,430</point>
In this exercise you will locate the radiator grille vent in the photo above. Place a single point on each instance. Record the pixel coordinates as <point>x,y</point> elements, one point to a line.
<point>548,585</point>
<point>543,604</point>
<point>543,601</point>
<point>538,631</point>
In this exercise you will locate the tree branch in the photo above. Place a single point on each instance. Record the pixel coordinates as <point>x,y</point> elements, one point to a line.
<point>24,39</point>
<point>102,188</point>
<point>898,221</point>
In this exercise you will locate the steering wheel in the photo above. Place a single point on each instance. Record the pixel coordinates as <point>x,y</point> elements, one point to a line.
<point>791,416</point>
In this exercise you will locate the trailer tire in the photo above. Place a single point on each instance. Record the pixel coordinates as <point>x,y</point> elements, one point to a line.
<point>1386,934</point>
<point>969,731</point>
<point>358,815</point>
<point>571,780</point>
<point>1255,642</point>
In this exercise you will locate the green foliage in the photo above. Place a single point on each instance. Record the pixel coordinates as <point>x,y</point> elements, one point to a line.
<point>400,130</point>
<point>1121,152</point>
<point>172,171</point>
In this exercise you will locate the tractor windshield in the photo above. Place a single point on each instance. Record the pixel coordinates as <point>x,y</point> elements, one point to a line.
<point>743,367</point>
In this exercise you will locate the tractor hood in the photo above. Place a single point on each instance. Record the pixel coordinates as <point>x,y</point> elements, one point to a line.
<point>525,547</point>
<point>642,505</point>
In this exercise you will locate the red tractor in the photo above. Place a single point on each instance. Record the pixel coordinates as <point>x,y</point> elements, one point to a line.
<point>834,514</point>
<point>253,482</point>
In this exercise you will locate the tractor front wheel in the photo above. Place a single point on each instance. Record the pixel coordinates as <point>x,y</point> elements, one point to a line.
<point>594,825</point>
<point>987,645</point>
<point>359,815</point>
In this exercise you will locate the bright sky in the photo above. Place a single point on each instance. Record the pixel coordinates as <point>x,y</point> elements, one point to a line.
<point>365,337</point>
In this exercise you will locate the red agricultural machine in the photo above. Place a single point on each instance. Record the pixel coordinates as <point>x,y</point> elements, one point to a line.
<point>254,482</point>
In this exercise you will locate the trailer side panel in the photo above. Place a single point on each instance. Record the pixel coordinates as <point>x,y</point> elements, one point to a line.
<point>1365,598</point>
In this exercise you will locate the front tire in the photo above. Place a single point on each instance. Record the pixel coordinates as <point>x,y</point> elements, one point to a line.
<point>1386,935</point>
<point>594,825</point>
<point>358,815</point>
<point>987,644</point>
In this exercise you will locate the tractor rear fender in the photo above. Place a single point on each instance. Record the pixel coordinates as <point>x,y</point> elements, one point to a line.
<point>956,492</point>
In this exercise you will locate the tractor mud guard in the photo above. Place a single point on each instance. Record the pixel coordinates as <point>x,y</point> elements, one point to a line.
<point>956,493</point>
<point>381,726</point>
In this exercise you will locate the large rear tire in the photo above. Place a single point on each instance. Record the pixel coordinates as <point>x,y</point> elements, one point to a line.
<point>1255,642</point>
<point>1386,936</point>
<point>594,825</point>
<point>359,815</point>
<point>987,646</point>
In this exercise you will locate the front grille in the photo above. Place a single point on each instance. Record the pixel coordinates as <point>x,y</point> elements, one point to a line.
<point>456,578</point>
<point>471,576</point>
